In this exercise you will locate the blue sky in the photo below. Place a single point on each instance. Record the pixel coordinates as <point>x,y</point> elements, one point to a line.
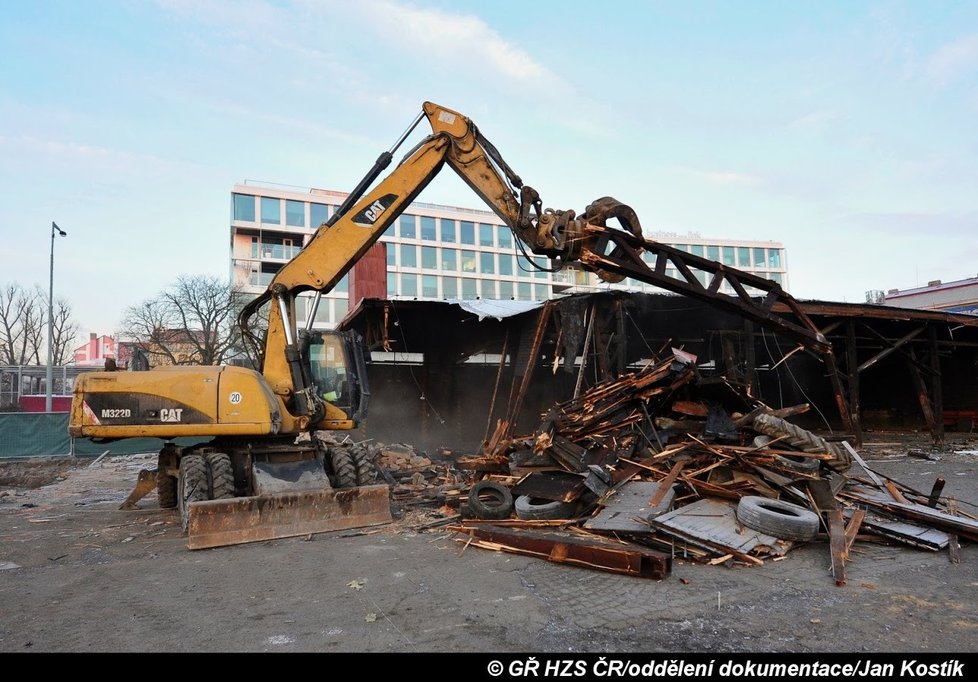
<point>846,130</point>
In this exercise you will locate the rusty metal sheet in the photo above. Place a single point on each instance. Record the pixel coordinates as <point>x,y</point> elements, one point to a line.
<point>216,523</point>
<point>577,549</point>
<point>631,502</point>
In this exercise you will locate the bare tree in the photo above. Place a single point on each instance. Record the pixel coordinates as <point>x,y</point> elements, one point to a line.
<point>21,324</point>
<point>189,323</point>
<point>63,332</point>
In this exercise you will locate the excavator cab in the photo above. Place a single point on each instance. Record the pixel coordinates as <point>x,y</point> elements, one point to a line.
<point>337,369</point>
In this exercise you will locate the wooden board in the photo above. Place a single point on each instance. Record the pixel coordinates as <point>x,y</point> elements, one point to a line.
<point>631,501</point>
<point>907,533</point>
<point>713,524</point>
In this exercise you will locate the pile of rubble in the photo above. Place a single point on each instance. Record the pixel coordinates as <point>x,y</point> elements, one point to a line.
<point>663,463</point>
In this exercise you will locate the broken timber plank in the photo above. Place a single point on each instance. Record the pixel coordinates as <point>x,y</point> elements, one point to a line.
<point>852,529</point>
<point>953,546</point>
<point>905,533</point>
<point>631,502</point>
<point>667,483</point>
<point>713,524</point>
<point>588,551</point>
<point>862,463</point>
<point>837,545</point>
<point>924,514</point>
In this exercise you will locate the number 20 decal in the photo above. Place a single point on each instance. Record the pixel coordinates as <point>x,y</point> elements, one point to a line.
<point>234,398</point>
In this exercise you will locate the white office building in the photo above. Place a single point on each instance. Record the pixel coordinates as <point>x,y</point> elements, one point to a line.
<point>441,252</point>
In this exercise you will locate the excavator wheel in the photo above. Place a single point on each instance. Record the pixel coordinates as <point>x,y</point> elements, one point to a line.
<point>193,484</point>
<point>166,490</point>
<point>344,468</point>
<point>222,476</point>
<point>366,471</point>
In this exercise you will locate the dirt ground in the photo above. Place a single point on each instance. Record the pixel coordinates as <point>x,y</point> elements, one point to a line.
<point>79,575</point>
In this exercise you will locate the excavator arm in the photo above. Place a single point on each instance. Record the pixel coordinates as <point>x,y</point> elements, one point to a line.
<point>339,244</point>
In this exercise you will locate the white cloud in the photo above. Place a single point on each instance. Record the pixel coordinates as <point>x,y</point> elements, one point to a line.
<point>463,38</point>
<point>953,60</point>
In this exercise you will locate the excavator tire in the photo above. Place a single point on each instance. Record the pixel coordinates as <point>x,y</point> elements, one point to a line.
<point>166,491</point>
<point>803,440</point>
<point>222,476</point>
<point>366,471</point>
<point>193,484</point>
<point>344,468</point>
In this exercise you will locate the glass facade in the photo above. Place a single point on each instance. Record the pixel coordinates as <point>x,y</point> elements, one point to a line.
<point>438,252</point>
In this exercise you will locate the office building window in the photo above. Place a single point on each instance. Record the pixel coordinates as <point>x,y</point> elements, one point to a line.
<point>505,290</point>
<point>682,247</point>
<point>713,252</point>
<point>271,210</point>
<point>429,258</point>
<point>449,287</point>
<point>391,284</point>
<point>487,288</point>
<point>341,306</point>
<point>774,259</point>
<point>318,214</point>
<point>743,257</point>
<point>776,277</point>
<point>468,288</point>
<point>244,207</point>
<point>449,260</point>
<point>409,255</point>
<point>505,264</point>
<point>540,271</point>
<point>391,250</point>
<point>728,256</point>
<point>429,286</point>
<point>505,237</point>
<point>409,284</point>
<point>486,234</point>
<point>696,249</point>
<point>408,227</point>
<point>428,228</point>
<point>487,263</point>
<point>295,213</point>
<point>343,285</point>
<point>760,258</point>
<point>448,230</point>
<point>523,291</point>
<point>468,232</point>
<point>468,261</point>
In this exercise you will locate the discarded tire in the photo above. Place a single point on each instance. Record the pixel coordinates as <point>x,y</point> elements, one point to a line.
<point>490,500</point>
<point>166,491</point>
<point>800,439</point>
<point>533,509</point>
<point>778,518</point>
<point>805,465</point>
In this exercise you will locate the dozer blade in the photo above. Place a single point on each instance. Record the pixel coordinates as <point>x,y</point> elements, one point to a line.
<point>216,523</point>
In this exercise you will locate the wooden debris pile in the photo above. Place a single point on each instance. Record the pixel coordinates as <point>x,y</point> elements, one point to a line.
<point>661,464</point>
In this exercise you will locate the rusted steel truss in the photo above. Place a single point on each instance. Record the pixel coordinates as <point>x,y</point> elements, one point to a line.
<point>625,258</point>
<point>620,253</point>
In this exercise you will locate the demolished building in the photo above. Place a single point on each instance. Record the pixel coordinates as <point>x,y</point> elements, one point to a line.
<point>886,369</point>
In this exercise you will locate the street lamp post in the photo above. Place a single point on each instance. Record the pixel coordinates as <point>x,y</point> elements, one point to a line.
<point>55,230</point>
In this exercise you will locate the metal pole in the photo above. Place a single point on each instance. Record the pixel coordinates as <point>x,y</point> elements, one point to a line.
<point>50,380</point>
<point>47,399</point>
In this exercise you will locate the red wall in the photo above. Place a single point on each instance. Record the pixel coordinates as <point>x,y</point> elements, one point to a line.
<point>368,279</point>
<point>35,403</point>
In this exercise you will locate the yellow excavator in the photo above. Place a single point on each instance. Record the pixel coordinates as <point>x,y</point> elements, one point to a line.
<point>269,467</point>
